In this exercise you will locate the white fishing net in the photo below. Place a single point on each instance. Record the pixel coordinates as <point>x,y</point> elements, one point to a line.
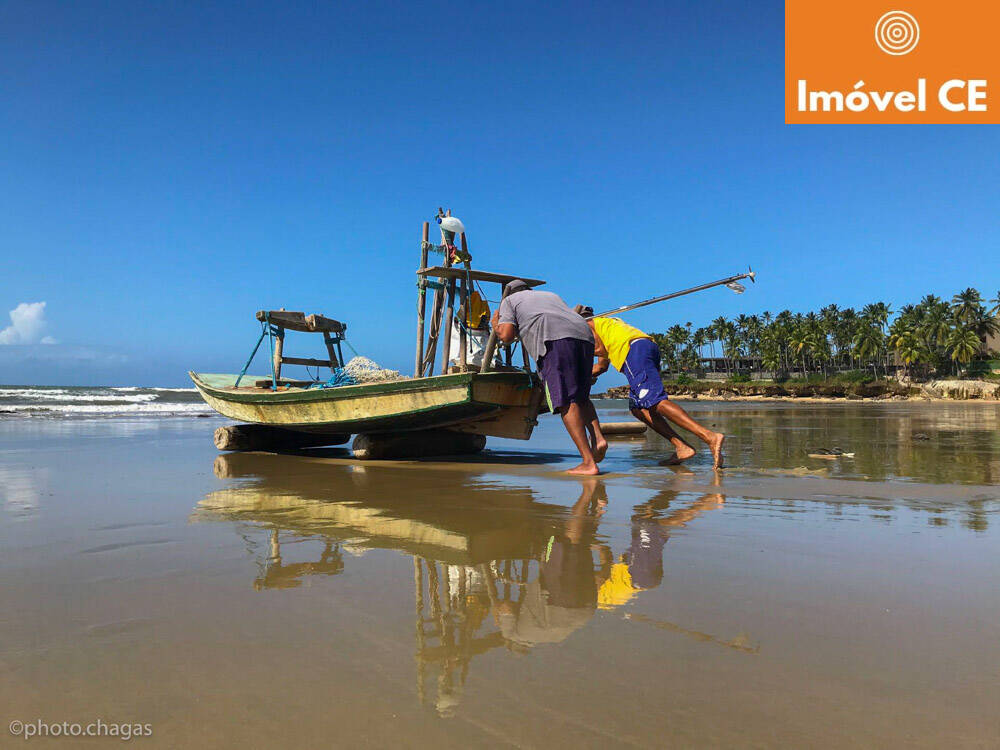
<point>364,370</point>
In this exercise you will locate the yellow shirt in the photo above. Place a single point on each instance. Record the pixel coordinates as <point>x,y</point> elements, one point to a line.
<point>618,589</point>
<point>617,335</point>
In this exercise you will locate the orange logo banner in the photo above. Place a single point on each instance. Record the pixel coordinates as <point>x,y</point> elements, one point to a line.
<point>892,61</point>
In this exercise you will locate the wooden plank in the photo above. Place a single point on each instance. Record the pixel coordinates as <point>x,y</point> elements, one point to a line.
<point>334,361</point>
<point>449,272</point>
<point>299,321</point>
<point>449,321</point>
<point>463,306</point>
<point>421,303</point>
<point>308,362</point>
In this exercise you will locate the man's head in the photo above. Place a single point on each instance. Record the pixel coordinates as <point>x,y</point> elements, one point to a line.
<point>515,286</point>
<point>584,311</point>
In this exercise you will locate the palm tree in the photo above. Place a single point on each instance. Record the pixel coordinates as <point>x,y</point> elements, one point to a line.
<point>995,310</point>
<point>963,344</point>
<point>799,343</point>
<point>936,325</point>
<point>698,340</point>
<point>965,305</point>
<point>911,349</point>
<point>868,344</point>
<point>719,327</point>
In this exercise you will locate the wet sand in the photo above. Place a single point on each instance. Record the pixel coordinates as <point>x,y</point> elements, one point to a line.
<point>256,600</point>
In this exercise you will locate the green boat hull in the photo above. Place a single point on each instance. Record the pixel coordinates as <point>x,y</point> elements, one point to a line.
<point>500,404</point>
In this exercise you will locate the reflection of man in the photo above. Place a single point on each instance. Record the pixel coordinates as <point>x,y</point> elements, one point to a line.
<point>641,566</point>
<point>564,597</point>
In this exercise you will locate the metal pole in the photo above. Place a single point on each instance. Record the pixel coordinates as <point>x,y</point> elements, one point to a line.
<point>749,275</point>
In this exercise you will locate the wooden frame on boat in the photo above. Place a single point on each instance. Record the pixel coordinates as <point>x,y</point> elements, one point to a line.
<point>500,401</point>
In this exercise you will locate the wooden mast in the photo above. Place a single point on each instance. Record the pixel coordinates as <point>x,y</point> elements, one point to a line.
<point>421,302</point>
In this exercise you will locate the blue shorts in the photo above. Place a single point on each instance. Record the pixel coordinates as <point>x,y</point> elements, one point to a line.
<point>642,369</point>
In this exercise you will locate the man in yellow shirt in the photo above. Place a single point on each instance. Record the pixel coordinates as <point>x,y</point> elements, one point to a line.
<point>637,357</point>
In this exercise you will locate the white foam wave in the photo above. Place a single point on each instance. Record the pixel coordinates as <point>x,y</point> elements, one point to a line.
<point>58,394</point>
<point>128,388</point>
<point>110,409</point>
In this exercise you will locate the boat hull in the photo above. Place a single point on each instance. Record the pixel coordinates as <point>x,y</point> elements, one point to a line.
<point>500,404</point>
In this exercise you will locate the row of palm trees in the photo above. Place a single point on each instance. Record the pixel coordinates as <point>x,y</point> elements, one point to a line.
<point>932,335</point>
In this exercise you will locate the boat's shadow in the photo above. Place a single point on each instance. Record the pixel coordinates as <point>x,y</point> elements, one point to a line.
<point>512,458</point>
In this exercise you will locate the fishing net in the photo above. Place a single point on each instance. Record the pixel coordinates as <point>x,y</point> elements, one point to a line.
<point>364,370</point>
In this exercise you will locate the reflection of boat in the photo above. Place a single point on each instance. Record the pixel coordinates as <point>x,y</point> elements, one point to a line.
<point>467,524</point>
<point>492,566</point>
<point>478,549</point>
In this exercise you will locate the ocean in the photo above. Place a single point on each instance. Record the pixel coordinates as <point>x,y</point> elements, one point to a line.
<point>61,402</point>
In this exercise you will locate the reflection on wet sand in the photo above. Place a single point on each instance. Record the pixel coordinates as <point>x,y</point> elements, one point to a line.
<point>947,443</point>
<point>493,567</point>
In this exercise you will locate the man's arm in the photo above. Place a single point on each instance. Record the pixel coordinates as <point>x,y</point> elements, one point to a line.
<point>601,352</point>
<point>506,332</point>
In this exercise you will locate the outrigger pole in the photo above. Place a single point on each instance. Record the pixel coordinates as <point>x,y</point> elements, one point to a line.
<point>731,281</point>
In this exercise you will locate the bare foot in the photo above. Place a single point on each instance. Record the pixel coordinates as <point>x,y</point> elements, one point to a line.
<point>715,443</point>
<point>600,450</point>
<point>587,470</point>
<point>681,454</point>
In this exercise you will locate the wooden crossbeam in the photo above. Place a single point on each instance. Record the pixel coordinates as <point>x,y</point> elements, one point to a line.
<point>457,272</point>
<point>298,321</point>
<point>307,362</point>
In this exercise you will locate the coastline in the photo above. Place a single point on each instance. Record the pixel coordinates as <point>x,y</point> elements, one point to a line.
<point>975,391</point>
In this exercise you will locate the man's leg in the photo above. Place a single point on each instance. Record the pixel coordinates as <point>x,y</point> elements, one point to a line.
<point>598,445</point>
<point>673,412</point>
<point>682,450</point>
<point>573,417</point>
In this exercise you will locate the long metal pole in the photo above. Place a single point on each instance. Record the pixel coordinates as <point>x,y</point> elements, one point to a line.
<point>729,280</point>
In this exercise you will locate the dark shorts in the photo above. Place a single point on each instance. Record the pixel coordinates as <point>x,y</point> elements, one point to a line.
<point>567,369</point>
<point>642,369</point>
<point>567,574</point>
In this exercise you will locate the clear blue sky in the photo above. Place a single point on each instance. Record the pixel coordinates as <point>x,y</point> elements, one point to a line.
<point>169,168</point>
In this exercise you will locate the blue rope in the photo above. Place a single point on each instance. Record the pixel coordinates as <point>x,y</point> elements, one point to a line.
<point>263,332</point>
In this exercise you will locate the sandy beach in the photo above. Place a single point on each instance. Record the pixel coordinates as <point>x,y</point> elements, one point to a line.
<point>254,599</point>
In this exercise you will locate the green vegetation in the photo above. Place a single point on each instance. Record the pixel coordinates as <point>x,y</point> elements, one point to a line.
<point>930,337</point>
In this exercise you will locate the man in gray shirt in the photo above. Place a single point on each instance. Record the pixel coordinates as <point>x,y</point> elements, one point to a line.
<point>562,345</point>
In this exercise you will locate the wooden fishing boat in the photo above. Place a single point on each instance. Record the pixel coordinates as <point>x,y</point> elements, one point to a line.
<point>493,397</point>
<point>500,404</point>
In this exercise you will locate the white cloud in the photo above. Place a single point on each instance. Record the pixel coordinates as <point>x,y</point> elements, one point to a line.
<point>27,325</point>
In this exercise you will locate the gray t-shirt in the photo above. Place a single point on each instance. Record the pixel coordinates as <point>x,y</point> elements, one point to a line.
<point>540,317</point>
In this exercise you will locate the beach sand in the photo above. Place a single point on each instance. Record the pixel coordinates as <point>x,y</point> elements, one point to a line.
<point>258,600</point>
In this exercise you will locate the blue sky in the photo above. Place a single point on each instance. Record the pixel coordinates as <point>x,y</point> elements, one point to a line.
<point>169,168</point>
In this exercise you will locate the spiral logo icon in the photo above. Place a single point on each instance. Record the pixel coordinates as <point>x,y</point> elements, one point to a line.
<point>897,32</point>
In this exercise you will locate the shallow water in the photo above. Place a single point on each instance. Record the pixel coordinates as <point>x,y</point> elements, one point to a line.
<point>277,600</point>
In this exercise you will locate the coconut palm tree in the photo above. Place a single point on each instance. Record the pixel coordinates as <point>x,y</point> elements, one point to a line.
<point>963,344</point>
<point>995,310</point>
<point>911,349</point>
<point>965,305</point>
<point>868,344</point>
<point>799,341</point>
